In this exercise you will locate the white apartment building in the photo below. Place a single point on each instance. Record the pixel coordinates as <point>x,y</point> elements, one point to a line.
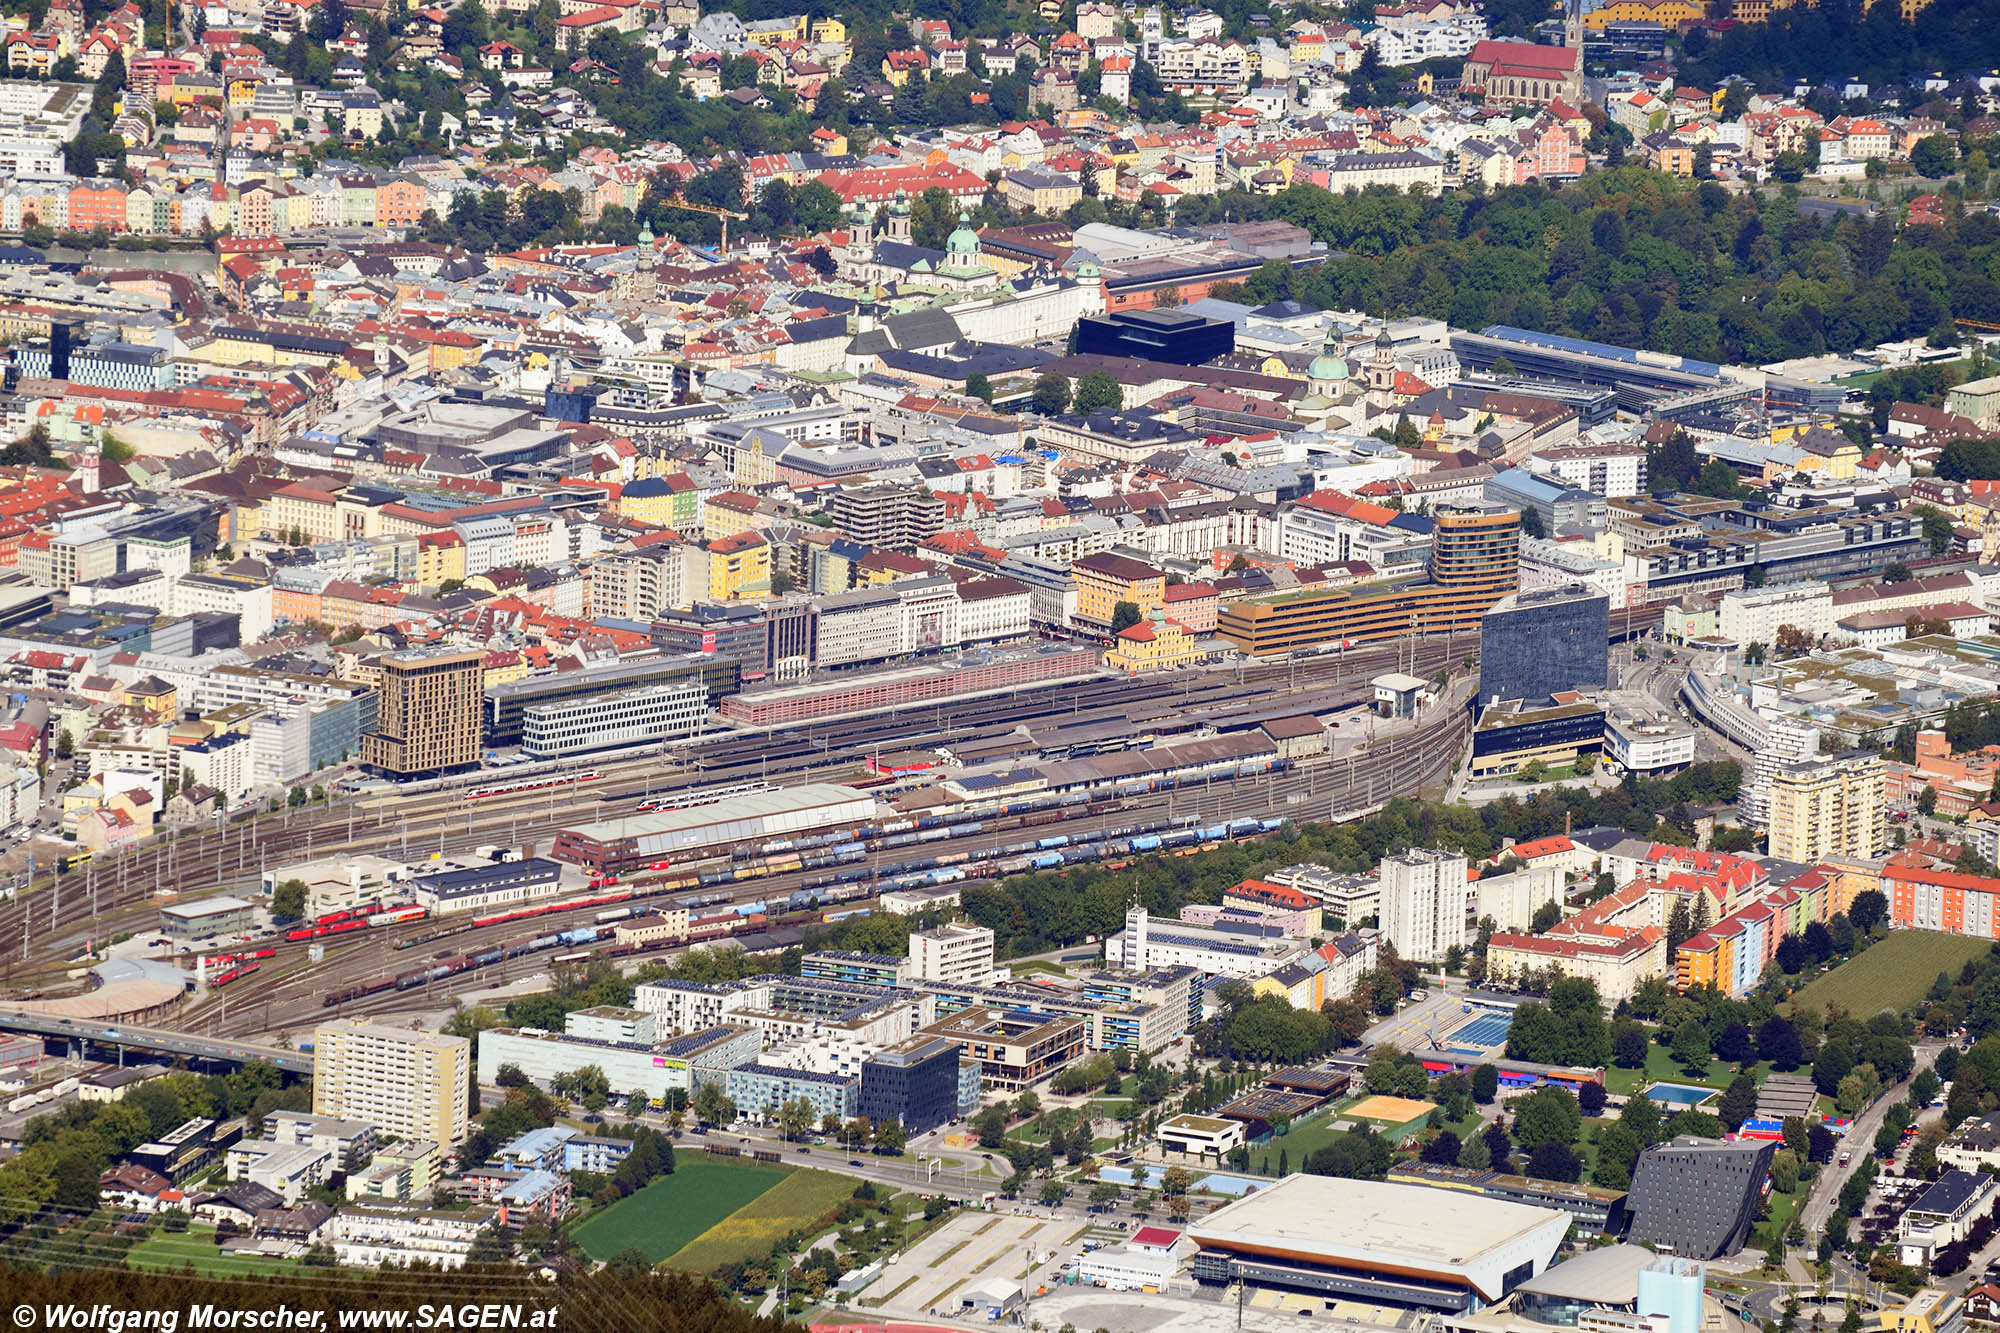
<point>1786,741</point>
<point>1424,901</point>
<point>415,1085</point>
<point>220,763</point>
<point>956,955</point>
<point>1513,899</point>
<point>686,1006</point>
<point>1553,564</point>
<point>365,1237</point>
<point>1453,38</point>
<point>1613,471</point>
<point>1648,742</point>
<point>1243,952</point>
<point>249,602</point>
<point>1754,615</point>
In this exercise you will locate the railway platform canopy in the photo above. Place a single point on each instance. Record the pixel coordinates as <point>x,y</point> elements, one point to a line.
<point>629,841</point>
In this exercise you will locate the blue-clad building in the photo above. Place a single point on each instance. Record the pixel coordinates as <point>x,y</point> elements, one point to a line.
<point>914,1082</point>
<point>759,1090</point>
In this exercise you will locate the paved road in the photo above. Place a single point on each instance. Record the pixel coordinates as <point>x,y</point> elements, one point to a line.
<point>151,1039</point>
<point>1860,1142</point>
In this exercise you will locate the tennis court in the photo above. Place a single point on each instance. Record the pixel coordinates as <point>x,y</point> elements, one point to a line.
<point>1487,1028</point>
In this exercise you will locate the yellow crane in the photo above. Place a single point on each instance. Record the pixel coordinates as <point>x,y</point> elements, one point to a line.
<point>724,213</point>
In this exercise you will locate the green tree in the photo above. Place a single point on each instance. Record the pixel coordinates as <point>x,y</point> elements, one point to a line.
<point>1739,1101</point>
<point>1097,392</point>
<point>1051,395</point>
<point>933,218</point>
<point>1690,1046</point>
<point>1124,615</point>
<point>978,386</point>
<point>288,899</point>
<point>1547,1115</point>
<point>1934,156</point>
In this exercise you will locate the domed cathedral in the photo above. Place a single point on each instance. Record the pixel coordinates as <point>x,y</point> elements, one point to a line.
<point>1328,375</point>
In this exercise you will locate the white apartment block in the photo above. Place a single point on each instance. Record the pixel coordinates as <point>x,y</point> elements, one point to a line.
<point>365,1237</point>
<point>1613,471</point>
<point>415,1085</point>
<point>956,955</point>
<point>1424,900</point>
<point>1513,899</point>
<point>1754,615</point>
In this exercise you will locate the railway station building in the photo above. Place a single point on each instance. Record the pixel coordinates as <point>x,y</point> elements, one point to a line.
<point>632,841</point>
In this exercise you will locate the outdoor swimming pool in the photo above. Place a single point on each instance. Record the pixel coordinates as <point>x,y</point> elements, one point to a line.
<point>1486,1029</point>
<point>1680,1096</point>
<point>1218,1182</point>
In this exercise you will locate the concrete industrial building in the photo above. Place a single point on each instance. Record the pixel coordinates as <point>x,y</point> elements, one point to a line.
<point>630,841</point>
<point>428,720</point>
<point>1375,1242</point>
<point>415,1085</point>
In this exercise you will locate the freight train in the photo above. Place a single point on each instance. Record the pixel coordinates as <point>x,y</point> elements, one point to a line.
<point>823,897</point>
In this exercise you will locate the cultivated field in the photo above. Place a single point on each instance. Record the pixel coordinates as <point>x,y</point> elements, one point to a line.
<point>801,1199</point>
<point>673,1211</point>
<point>1894,973</point>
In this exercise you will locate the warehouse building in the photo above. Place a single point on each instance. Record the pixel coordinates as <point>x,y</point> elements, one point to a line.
<point>212,918</point>
<point>1376,1242</point>
<point>617,845</point>
<point>654,1068</point>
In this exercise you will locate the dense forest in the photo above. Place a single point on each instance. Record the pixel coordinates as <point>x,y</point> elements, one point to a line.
<point>1639,259</point>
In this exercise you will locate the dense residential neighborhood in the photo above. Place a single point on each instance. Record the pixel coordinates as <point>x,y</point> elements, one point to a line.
<point>1070,664</point>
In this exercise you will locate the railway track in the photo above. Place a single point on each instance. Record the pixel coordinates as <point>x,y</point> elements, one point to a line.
<point>290,996</point>
<point>116,893</point>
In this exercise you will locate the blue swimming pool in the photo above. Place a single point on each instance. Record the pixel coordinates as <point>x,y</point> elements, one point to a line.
<point>1680,1096</point>
<point>1487,1029</point>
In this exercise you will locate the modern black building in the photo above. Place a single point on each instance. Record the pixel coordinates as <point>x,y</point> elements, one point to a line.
<point>1534,644</point>
<point>915,1082</point>
<point>1697,1198</point>
<point>1173,336</point>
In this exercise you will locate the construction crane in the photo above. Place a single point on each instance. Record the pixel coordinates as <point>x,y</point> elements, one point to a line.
<point>724,213</point>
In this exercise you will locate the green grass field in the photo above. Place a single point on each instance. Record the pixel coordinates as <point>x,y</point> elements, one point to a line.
<point>195,1248</point>
<point>673,1212</point>
<point>1661,1067</point>
<point>1893,973</point>
<point>802,1198</point>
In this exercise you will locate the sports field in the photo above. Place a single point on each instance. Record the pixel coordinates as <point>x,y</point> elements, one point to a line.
<point>672,1212</point>
<point>1389,1110</point>
<point>1894,973</point>
<point>801,1199</point>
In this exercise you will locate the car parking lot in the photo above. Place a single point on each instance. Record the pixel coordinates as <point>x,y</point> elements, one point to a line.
<point>975,1248</point>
